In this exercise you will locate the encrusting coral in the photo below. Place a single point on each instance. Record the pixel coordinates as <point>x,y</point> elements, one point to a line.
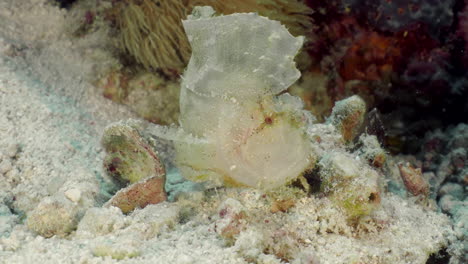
<point>350,184</point>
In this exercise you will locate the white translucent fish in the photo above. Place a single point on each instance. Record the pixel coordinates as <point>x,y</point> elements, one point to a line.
<point>251,136</point>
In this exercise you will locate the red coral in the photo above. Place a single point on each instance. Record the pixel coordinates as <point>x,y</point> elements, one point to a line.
<point>370,58</point>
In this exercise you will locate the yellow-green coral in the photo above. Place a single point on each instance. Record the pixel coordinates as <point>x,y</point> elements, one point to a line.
<point>350,184</point>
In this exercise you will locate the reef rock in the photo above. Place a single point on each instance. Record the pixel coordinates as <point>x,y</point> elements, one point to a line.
<point>129,157</point>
